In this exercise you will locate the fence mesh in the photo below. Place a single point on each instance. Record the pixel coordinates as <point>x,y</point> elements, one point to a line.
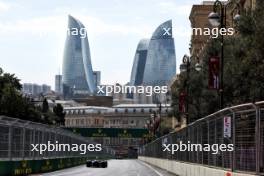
<point>247,137</point>
<point>16,137</point>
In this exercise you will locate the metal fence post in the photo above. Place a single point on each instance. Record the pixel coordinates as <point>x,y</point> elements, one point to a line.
<point>257,138</point>
<point>33,142</point>
<point>23,142</point>
<point>208,141</point>
<point>233,155</point>
<point>10,134</point>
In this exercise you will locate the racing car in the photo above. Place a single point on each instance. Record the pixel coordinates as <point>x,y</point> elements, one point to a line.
<point>96,163</point>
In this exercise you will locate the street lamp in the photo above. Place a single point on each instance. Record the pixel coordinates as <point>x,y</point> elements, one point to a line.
<point>186,67</point>
<point>237,18</point>
<point>198,67</point>
<point>214,19</point>
<point>218,19</point>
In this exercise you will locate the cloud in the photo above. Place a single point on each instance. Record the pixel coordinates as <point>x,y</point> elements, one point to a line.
<point>42,26</point>
<point>37,26</point>
<point>172,7</point>
<point>96,26</point>
<point>4,6</point>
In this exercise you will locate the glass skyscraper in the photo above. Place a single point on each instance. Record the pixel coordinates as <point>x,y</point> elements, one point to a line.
<point>78,77</point>
<point>139,63</point>
<point>58,84</point>
<point>160,64</point>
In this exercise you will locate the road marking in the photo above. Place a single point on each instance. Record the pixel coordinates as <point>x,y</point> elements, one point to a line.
<point>157,172</point>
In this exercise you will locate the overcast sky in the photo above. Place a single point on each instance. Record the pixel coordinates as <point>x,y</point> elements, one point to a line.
<point>33,32</point>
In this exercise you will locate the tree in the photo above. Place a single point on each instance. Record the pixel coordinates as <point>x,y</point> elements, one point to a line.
<point>45,106</point>
<point>243,69</point>
<point>14,104</point>
<point>59,112</point>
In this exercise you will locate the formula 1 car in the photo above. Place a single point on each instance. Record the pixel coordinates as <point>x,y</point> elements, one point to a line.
<point>96,163</point>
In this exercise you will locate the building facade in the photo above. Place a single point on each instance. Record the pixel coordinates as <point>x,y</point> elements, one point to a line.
<point>160,64</point>
<point>140,58</point>
<point>58,84</point>
<point>121,127</point>
<point>35,89</point>
<point>97,78</point>
<point>78,76</point>
<point>199,19</point>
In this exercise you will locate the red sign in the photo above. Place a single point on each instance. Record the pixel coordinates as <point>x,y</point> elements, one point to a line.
<point>213,80</point>
<point>182,102</point>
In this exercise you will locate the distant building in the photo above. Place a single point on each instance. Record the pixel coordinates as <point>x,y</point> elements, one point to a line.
<point>199,19</point>
<point>155,59</point>
<point>97,78</point>
<point>129,119</point>
<point>160,64</point>
<point>154,65</point>
<point>45,88</point>
<point>35,89</point>
<point>140,58</point>
<point>58,84</point>
<point>27,88</point>
<point>77,71</point>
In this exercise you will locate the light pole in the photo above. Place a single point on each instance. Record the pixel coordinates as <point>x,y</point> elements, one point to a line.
<point>186,67</point>
<point>159,117</point>
<point>217,18</point>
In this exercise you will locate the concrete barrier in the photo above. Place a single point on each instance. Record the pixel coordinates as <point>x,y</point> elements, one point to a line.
<point>188,169</point>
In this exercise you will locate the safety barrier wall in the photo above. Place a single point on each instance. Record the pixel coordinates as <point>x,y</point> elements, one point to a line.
<point>17,157</point>
<point>246,135</point>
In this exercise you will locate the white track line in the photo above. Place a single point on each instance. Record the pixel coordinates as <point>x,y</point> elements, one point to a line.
<point>157,172</point>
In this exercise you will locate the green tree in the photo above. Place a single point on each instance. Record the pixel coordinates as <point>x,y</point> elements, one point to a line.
<point>45,106</point>
<point>243,69</point>
<point>58,110</point>
<point>14,104</point>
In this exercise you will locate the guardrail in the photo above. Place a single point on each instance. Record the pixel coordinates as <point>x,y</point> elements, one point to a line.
<point>16,137</point>
<point>246,134</point>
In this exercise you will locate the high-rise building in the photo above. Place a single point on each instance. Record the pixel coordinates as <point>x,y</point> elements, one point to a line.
<point>45,88</point>
<point>160,64</point>
<point>58,84</point>
<point>97,78</point>
<point>77,72</point>
<point>154,63</point>
<point>139,63</point>
<point>27,88</point>
<point>35,89</point>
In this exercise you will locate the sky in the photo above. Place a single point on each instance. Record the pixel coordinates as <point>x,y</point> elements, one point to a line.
<point>33,33</point>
